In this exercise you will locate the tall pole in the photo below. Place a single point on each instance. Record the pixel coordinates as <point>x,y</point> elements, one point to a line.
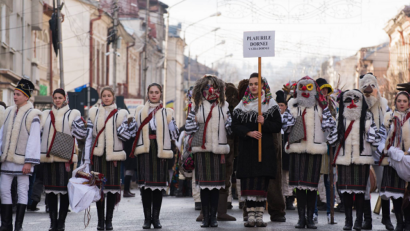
<point>189,68</point>
<point>259,107</point>
<point>166,63</point>
<point>146,47</point>
<point>23,18</point>
<point>60,44</point>
<point>115,46</point>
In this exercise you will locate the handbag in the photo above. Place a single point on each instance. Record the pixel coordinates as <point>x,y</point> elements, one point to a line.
<point>62,144</point>
<point>198,136</point>
<point>298,131</point>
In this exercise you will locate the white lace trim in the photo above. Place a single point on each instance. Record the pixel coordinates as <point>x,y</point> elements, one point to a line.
<point>160,188</point>
<point>210,187</point>
<point>113,191</point>
<point>254,198</point>
<point>304,188</point>
<point>387,195</point>
<point>352,191</point>
<point>55,192</point>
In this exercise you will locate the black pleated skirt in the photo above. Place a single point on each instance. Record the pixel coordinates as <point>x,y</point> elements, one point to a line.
<point>255,186</point>
<point>353,177</point>
<point>55,177</point>
<point>209,171</point>
<point>304,170</point>
<point>392,182</point>
<point>111,172</point>
<point>152,171</point>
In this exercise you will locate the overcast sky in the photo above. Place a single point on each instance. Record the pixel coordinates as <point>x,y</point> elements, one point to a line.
<point>303,27</point>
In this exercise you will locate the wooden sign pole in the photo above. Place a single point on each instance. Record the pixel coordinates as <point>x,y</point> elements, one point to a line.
<point>259,106</point>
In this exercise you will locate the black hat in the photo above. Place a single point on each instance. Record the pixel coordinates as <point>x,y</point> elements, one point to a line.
<point>323,84</point>
<point>280,97</point>
<point>25,86</point>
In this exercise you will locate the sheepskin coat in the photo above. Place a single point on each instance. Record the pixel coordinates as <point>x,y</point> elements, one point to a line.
<point>162,118</point>
<point>16,132</point>
<point>108,141</point>
<point>216,135</point>
<point>350,152</point>
<point>315,142</point>
<point>64,118</point>
<point>405,129</point>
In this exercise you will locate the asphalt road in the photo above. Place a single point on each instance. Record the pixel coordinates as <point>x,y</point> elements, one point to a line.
<point>178,214</point>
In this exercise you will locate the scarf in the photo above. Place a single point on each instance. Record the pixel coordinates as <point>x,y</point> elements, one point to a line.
<point>249,97</point>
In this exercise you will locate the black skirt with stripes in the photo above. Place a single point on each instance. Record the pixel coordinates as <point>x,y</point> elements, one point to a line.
<point>56,177</point>
<point>111,172</point>
<point>209,171</point>
<point>352,177</point>
<point>392,183</point>
<point>304,170</point>
<point>255,186</point>
<point>152,171</point>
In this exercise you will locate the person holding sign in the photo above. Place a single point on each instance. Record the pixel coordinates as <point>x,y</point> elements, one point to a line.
<point>152,148</point>
<point>356,134</point>
<point>307,144</point>
<point>58,168</point>
<point>104,151</point>
<point>209,123</point>
<point>255,175</point>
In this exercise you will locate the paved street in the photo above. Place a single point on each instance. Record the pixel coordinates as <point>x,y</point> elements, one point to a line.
<point>177,214</point>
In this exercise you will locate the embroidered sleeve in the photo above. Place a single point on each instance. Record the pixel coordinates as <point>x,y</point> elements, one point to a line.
<point>287,120</point>
<point>88,142</point>
<point>328,122</point>
<point>32,155</point>
<point>332,138</point>
<point>373,136</point>
<point>123,131</point>
<point>173,130</point>
<point>191,126</point>
<point>228,123</point>
<point>78,129</point>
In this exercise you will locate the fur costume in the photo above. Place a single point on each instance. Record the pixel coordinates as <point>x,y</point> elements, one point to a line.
<point>15,136</point>
<point>355,149</point>
<point>108,140</point>
<point>162,118</point>
<point>63,117</point>
<point>202,83</point>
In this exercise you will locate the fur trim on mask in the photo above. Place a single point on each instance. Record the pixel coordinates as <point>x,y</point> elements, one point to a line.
<point>353,113</point>
<point>201,83</point>
<point>365,81</point>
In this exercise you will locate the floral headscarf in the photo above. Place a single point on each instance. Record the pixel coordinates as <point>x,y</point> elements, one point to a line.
<point>248,97</point>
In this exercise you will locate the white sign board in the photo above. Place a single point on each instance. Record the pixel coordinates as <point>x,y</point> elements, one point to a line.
<point>132,104</point>
<point>258,44</point>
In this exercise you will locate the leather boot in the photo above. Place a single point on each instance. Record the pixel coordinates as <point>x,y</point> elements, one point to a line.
<point>156,208</point>
<point>127,184</point>
<point>367,211</point>
<point>100,214</point>
<point>289,203</point>
<point>406,212</point>
<point>155,218</point>
<point>180,190</point>
<point>222,208</point>
<point>386,215</point>
<point>359,204</point>
<point>301,198</point>
<point>213,222</point>
<point>62,214</point>
<point>397,203</point>
<point>200,217</point>
<point>147,216</point>
<point>21,210</point>
<point>6,217</point>
<point>311,200</point>
<point>111,200</point>
<point>348,208</point>
<point>205,213</point>
<point>52,202</point>
<point>53,221</point>
<point>198,205</point>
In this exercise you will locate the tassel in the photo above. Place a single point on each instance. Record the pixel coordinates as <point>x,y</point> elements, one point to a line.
<point>223,159</point>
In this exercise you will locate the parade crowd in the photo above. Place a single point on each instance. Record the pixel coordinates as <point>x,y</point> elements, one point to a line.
<point>306,128</point>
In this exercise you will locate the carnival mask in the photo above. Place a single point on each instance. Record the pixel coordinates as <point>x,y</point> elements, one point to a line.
<point>370,88</point>
<point>210,93</point>
<point>306,92</point>
<point>353,103</point>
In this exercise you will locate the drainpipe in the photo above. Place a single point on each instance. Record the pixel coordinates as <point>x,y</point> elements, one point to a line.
<point>50,49</point>
<point>127,79</point>
<point>91,46</point>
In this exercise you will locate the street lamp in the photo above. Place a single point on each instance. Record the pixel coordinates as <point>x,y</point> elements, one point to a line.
<point>220,43</point>
<point>210,16</point>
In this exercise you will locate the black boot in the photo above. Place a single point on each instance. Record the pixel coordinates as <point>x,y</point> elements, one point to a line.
<point>100,212</point>
<point>21,210</point>
<point>6,218</point>
<point>127,184</point>
<point>301,198</point>
<point>406,212</point>
<point>62,214</point>
<point>52,202</point>
<point>311,200</point>
<point>367,211</point>
<point>146,196</point>
<point>214,208</point>
<point>289,203</point>
<point>198,205</point>
<point>386,215</point>
<point>156,208</point>
<point>348,208</point>
<point>397,203</point>
<point>111,200</point>
<point>359,204</point>
<point>180,190</point>
<point>205,213</point>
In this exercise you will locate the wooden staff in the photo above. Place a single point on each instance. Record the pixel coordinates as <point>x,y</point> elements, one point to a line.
<point>259,106</point>
<point>332,196</point>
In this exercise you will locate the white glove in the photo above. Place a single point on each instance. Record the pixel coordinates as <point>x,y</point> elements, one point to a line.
<point>395,153</point>
<point>381,146</point>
